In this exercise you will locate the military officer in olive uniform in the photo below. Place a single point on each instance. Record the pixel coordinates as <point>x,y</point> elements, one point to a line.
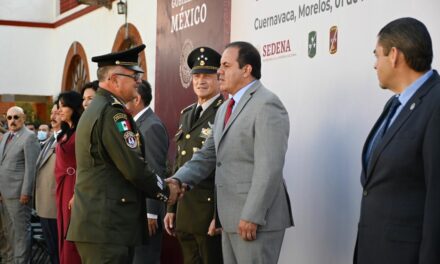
<point>194,218</point>
<point>108,213</point>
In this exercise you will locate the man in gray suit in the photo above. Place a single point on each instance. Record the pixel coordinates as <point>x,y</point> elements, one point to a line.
<point>19,149</point>
<point>155,147</point>
<point>247,149</point>
<point>45,187</point>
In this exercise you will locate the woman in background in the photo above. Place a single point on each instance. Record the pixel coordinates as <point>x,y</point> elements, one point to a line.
<point>88,92</point>
<point>70,110</point>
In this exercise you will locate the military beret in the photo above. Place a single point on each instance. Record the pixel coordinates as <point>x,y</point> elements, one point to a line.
<point>127,58</point>
<point>204,60</point>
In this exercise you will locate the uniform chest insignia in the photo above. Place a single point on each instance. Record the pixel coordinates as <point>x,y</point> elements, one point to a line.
<point>130,139</point>
<point>206,132</point>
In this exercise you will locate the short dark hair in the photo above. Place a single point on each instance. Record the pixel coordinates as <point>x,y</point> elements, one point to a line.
<point>248,54</point>
<point>144,90</point>
<point>90,85</point>
<point>412,38</point>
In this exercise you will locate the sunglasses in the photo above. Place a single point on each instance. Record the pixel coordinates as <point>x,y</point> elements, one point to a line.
<point>137,76</point>
<point>16,117</point>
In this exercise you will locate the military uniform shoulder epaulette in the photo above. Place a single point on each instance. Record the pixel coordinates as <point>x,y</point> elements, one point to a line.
<point>116,102</point>
<point>187,108</point>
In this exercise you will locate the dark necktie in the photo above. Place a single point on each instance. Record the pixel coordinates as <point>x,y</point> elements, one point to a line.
<point>395,103</point>
<point>10,137</point>
<point>197,114</point>
<point>229,111</point>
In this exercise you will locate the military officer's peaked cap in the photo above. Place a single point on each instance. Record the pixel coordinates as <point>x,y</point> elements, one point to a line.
<point>204,60</point>
<point>127,58</point>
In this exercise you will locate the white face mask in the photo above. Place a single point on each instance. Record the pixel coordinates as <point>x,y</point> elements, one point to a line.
<point>42,135</point>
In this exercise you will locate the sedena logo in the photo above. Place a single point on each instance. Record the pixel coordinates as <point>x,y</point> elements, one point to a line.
<point>312,44</point>
<point>333,43</point>
<point>277,49</point>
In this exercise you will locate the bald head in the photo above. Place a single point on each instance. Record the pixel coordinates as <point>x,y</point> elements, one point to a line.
<point>16,118</point>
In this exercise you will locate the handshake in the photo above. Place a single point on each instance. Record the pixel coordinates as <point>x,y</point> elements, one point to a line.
<point>177,190</point>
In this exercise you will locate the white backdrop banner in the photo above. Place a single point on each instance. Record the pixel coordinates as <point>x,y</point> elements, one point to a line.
<point>318,57</point>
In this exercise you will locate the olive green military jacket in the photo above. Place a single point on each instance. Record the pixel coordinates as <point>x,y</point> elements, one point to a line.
<point>196,210</point>
<point>112,177</point>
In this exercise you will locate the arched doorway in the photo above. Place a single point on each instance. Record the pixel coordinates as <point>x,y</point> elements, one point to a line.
<point>76,69</point>
<point>127,37</point>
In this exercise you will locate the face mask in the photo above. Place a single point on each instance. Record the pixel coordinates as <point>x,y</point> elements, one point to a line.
<point>42,135</point>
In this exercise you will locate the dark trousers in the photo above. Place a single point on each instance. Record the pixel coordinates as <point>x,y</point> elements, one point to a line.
<point>93,253</point>
<point>50,234</point>
<point>150,253</point>
<point>200,249</point>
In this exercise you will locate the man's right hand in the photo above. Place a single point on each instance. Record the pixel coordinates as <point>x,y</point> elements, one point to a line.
<point>169,223</point>
<point>174,187</point>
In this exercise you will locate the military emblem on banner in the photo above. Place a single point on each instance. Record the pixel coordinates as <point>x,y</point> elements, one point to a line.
<point>333,43</point>
<point>312,44</point>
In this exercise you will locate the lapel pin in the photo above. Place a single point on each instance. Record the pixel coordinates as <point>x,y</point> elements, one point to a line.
<point>413,105</point>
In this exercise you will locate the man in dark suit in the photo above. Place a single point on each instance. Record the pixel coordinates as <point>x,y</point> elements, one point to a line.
<point>45,187</point>
<point>155,146</point>
<point>194,218</point>
<point>19,149</point>
<point>400,209</point>
<point>246,149</point>
<point>108,212</point>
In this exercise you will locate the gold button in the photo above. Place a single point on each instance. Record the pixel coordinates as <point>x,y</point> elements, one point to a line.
<point>203,142</point>
<point>183,152</point>
<point>188,136</point>
<point>123,200</point>
<point>209,199</point>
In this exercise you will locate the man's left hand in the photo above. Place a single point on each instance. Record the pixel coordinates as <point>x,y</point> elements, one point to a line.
<point>247,230</point>
<point>152,226</point>
<point>24,199</point>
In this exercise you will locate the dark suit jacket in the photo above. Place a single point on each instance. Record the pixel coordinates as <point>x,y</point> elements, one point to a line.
<point>400,210</point>
<point>155,139</point>
<point>196,210</point>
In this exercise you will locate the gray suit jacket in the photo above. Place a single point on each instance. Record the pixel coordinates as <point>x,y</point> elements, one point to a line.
<point>248,156</point>
<point>155,139</point>
<point>18,163</point>
<point>45,186</point>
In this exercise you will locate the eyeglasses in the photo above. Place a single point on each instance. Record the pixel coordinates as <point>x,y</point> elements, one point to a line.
<point>16,117</point>
<point>136,76</point>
